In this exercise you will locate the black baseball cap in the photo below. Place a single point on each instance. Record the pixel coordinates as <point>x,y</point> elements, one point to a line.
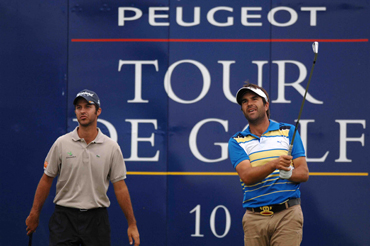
<point>90,96</point>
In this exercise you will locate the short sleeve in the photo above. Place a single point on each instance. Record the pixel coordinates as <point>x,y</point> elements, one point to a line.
<point>53,160</point>
<point>298,149</point>
<point>118,167</point>
<point>236,152</point>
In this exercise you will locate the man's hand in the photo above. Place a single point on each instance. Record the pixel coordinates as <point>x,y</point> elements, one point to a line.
<point>32,222</point>
<point>284,162</point>
<point>42,193</point>
<point>133,233</point>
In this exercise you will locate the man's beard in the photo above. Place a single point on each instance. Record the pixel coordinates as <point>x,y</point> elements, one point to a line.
<point>255,121</point>
<point>86,124</point>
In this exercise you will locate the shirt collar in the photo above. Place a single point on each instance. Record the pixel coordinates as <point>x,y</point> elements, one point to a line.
<point>272,127</point>
<point>99,138</point>
<point>74,135</point>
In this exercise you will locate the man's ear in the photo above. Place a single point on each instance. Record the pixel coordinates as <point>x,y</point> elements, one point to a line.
<point>267,106</point>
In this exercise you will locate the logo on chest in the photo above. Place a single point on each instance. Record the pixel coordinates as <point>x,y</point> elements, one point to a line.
<point>70,155</point>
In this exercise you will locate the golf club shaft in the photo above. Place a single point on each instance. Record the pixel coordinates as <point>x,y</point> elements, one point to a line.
<point>30,240</point>
<point>300,111</point>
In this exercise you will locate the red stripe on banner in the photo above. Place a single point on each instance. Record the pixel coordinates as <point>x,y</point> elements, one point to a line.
<point>220,40</point>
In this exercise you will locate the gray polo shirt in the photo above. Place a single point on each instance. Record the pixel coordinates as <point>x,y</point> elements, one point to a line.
<point>84,170</point>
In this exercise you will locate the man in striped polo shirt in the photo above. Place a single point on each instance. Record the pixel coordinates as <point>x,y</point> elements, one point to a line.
<point>272,199</point>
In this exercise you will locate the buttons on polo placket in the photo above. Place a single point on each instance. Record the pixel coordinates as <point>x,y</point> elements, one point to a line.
<point>262,142</point>
<point>85,156</point>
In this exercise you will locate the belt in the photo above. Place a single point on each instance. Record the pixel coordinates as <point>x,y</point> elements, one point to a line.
<point>271,209</point>
<point>76,209</point>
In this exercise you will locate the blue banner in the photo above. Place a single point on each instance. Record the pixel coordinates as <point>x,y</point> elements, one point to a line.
<point>166,73</point>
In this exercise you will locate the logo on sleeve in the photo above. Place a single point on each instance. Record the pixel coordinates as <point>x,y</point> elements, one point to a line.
<point>45,164</point>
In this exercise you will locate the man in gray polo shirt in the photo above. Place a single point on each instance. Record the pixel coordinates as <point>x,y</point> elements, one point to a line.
<point>85,161</point>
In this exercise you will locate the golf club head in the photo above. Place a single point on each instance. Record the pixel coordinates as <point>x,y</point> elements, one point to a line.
<point>315,47</point>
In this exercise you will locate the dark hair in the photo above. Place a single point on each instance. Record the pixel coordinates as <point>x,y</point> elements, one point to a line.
<point>247,84</point>
<point>96,107</point>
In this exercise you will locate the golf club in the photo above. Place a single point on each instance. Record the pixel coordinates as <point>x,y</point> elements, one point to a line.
<point>30,240</point>
<point>315,47</point>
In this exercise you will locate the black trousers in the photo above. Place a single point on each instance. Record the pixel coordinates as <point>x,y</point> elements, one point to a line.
<point>75,227</point>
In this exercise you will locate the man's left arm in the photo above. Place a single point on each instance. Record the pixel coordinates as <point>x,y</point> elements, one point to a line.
<point>300,172</point>
<point>124,201</point>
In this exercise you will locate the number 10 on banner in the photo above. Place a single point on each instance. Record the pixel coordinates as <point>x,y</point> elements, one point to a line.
<point>211,221</point>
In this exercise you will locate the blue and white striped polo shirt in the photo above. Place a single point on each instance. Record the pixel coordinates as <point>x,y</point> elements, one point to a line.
<point>259,151</point>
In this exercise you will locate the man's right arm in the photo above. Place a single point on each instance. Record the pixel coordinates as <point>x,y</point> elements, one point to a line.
<point>251,175</point>
<point>42,193</point>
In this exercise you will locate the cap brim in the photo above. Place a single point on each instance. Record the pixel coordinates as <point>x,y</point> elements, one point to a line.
<point>88,99</point>
<point>242,90</point>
